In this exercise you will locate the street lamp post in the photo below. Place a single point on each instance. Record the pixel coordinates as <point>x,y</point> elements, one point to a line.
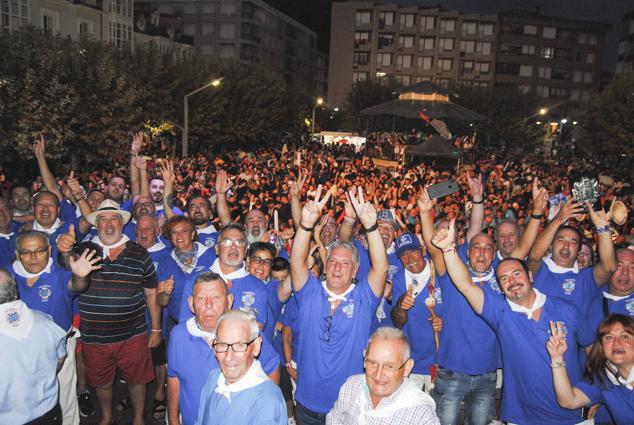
<point>185,133</point>
<point>318,102</point>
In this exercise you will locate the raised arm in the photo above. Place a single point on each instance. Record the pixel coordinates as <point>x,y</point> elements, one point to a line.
<point>378,257</point>
<point>311,212</point>
<point>169,177</point>
<point>223,184</point>
<point>568,396</point>
<point>476,219</point>
<point>81,268</point>
<point>78,196</point>
<point>545,238</point>
<point>39,149</point>
<point>284,290</point>
<point>346,228</point>
<point>607,256</point>
<point>445,241</point>
<point>295,191</point>
<point>135,149</point>
<point>540,202</point>
<point>425,205</point>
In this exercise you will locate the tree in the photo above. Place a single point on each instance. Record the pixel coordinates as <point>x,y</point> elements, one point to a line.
<point>364,94</point>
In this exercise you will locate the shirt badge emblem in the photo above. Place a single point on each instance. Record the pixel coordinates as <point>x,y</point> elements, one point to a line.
<point>348,310</point>
<point>569,286</point>
<point>44,292</point>
<point>13,318</point>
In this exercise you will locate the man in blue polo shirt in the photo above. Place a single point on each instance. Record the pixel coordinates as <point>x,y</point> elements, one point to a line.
<point>46,287</point>
<point>199,210</point>
<point>558,274</point>
<point>46,207</point>
<point>335,316</point>
<point>7,234</point>
<point>522,323</point>
<point>191,357</point>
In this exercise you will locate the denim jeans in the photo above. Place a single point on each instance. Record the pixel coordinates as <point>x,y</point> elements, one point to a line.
<point>477,391</point>
<point>305,416</point>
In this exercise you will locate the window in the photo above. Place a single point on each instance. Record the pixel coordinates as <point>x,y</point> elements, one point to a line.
<point>207,49</point>
<point>507,68</point>
<point>587,77</point>
<point>385,40</point>
<point>594,38</point>
<point>50,21</point>
<point>530,29</point>
<point>445,44</point>
<point>444,82</point>
<point>577,76</point>
<point>585,96</point>
<point>544,72</point>
<point>481,84</point>
<point>361,37</point>
<point>190,9</point>
<point>386,19</point>
<point>524,89</point>
<point>406,41</point>
<point>427,23</point>
<point>469,28</point>
<point>467,67</point>
<point>189,29</point>
<point>575,94</point>
<point>361,58</point>
<point>363,17</point>
<point>486,29</point>
<point>206,29</point>
<point>384,59</point>
<point>589,57</point>
<point>406,20</point>
<point>483,67</point>
<point>227,51</point>
<point>560,74</point>
<point>420,78</point>
<point>528,49</point>
<point>228,10</point>
<point>483,47</point>
<point>359,76</point>
<point>84,28</point>
<point>447,25</point>
<point>425,63</point>
<point>467,46</point>
<point>526,71</point>
<point>558,92</point>
<point>542,91</point>
<point>547,52</point>
<point>426,43</point>
<point>403,79</point>
<point>209,8</point>
<point>445,65</point>
<point>582,38</point>
<point>549,32</point>
<point>404,61</point>
<point>227,31</point>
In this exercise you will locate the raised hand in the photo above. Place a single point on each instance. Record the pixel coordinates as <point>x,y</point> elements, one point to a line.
<point>556,344</point>
<point>408,300</point>
<point>137,143</point>
<point>296,186</point>
<point>599,218</point>
<point>540,197</point>
<point>66,241</point>
<point>73,185</point>
<point>569,210</point>
<point>166,286</point>
<point>424,202</point>
<point>140,162</point>
<point>350,212</point>
<point>311,212</point>
<point>475,186</point>
<point>168,174</point>
<point>39,147</point>
<point>445,238</point>
<point>223,184</point>
<point>85,264</point>
<point>365,210</point>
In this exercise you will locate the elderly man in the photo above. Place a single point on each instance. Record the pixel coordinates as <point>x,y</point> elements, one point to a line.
<point>46,287</point>
<point>7,234</point>
<point>558,274</point>
<point>335,316</point>
<point>46,211</point>
<point>190,348</point>
<point>112,312</point>
<point>33,350</point>
<point>384,395</point>
<point>521,322</point>
<point>239,392</point>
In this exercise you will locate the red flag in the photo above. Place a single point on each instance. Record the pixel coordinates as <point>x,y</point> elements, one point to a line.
<point>422,116</point>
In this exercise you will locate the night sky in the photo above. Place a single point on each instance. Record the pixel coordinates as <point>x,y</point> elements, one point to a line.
<point>315,14</point>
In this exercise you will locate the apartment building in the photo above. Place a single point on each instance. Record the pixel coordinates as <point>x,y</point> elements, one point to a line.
<point>625,55</point>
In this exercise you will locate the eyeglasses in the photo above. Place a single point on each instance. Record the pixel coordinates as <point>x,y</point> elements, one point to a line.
<point>388,368</point>
<point>266,261</point>
<point>237,347</point>
<point>228,243</point>
<point>33,253</point>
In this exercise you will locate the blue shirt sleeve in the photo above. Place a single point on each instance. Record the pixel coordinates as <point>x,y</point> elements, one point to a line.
<point>492,308</point>
<point>592,391</point>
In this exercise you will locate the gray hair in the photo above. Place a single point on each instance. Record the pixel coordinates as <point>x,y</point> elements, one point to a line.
<point>518,228</point>
<point>390,333</point>
<point>8,287</point>
<point>346,245</point>
<point>243,317</point>
<point>32,234</point>
<point>210,277</point>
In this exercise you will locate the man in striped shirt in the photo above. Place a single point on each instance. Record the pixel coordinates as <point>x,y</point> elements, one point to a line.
<point>112,312</point>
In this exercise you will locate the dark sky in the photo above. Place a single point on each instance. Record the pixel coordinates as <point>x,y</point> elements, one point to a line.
<point>315,14</point>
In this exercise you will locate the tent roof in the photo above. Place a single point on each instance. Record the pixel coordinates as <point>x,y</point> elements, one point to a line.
<point>433,109</point>
<point>436,147</point>
<point>425,87</point>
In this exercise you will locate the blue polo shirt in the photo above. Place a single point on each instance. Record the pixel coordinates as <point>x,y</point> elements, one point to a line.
<point>207,238</point>
<point>289,319</point>
<point>394,263</point>
<point>331,346</point>
<point>191,360</point>
<point>578,288</point>
<point>595,314</point>
<point>273,311</point>
<point>7,249</point>
<point>206,257</point>
<point>418,327</point>
<point>468,344</point>
<point>618,398</point>
<point>49,294</point>
<point>528,393</point>
<point>249,295</point>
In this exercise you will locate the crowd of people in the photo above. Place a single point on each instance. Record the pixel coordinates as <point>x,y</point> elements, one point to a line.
<point>305,285</point>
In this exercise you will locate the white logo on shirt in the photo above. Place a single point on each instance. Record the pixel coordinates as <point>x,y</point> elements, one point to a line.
<point>210,243</point>
<point>391,271</point>
<point>629,306</point>
<point>44,292</point>
<point>348,310</point>
<point>438,295</point>
<point>569,285</point>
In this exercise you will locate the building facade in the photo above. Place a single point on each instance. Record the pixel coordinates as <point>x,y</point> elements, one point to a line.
<point>415,43</point>
<point>625,55</point>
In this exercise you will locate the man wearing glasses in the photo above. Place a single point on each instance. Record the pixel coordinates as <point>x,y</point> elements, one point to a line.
<point>190,349</point>
<point>239,392</point>
<point>383,395</point>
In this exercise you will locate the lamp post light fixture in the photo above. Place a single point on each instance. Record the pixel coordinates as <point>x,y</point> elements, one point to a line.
<point>185,135</point>
<point>318,102</point>
<point>543,111</point>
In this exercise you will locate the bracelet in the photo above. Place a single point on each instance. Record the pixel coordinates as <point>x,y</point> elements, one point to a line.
<point>537,216</point>
<point>372,228</point>
<point>452,249</point>
<point>477,202</point>
<point>557,365</point>
<point>156,330</point>
<point>603,229</point>
<point>308,229</point>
